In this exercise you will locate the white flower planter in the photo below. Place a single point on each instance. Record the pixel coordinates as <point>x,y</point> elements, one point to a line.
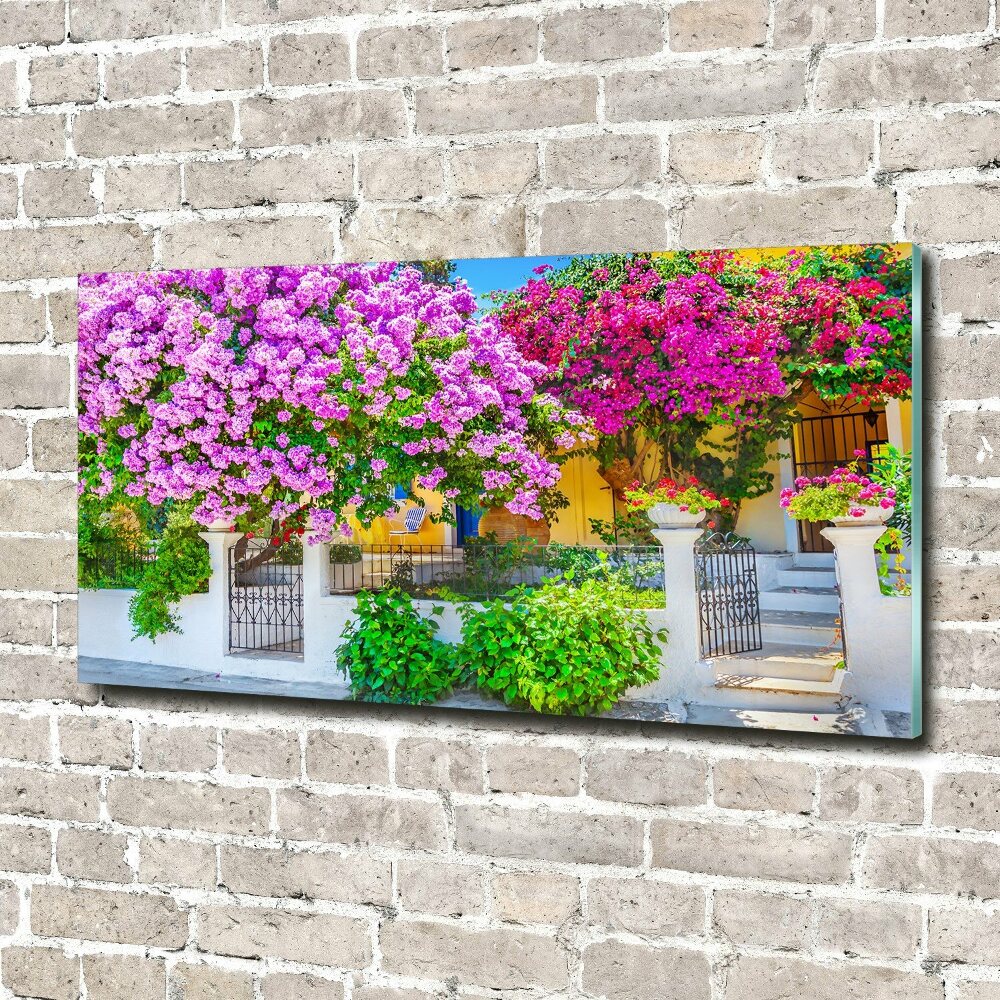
<point>872,515</point>
<point>220,526</point>
<point>668,515</point>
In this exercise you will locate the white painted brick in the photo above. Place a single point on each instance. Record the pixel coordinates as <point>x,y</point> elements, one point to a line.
<point>509,41</point>
<point>804,22</point>
<point>320,177</point>
<point>918,18</point>
<point>716,157</point>
<point>823,152</point>
<point>596,34</point>
<point>25,22</point>
<point>52,194</point>
<point>700,25</point>
<point>402,174</point>
<point>142,187</point>
<point>487,171</point>
<point>225,67</point>
<point>416,50</point>
<point>63,79</point>
<point>596,163</point>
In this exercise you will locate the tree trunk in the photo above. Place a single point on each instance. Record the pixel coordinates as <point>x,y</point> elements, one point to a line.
<point>262,556</point>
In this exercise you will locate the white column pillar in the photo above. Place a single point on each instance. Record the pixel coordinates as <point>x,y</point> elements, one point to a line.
<point>786,477</point>
<point>877,629</point>
<point>681,676</point>
<point>219,544</point>
<point>315,586</point>
<point>894,423</point>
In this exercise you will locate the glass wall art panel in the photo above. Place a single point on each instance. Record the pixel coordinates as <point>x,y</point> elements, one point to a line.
<point>676,487</point>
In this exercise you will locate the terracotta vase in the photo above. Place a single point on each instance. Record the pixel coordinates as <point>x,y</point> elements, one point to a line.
<point>507,526</point>
<point>618,475</point>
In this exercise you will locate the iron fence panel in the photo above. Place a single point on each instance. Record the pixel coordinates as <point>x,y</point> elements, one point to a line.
<point>728,596</point>
<point>265,599</point>
<point>483,572</point>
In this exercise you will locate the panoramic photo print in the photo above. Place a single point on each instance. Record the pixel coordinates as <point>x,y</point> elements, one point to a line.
<point>677,487</point>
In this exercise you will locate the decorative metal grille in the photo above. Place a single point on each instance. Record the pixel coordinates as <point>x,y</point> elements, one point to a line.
<point>728,597</point>
<point>265,600</point>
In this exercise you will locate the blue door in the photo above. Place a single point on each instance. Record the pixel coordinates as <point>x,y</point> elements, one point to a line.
<point>467,523</point>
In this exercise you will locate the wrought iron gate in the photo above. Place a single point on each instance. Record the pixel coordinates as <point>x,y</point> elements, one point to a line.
<point>265,600</point>
<point>728,598</point>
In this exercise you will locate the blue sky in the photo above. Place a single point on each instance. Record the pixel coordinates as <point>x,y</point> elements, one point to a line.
<point>508,273</point>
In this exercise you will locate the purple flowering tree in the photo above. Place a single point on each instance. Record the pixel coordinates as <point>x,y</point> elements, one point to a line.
<point>274,393</point>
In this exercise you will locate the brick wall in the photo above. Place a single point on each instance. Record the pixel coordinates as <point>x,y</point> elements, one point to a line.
<point>145,838</point>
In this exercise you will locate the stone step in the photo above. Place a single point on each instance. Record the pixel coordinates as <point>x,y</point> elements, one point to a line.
<point>822,560</point>
<point>801,628</point>
<point>800,599</point>
<point>778,661</point>
<point>798,687</point>
<point>808,577</point>
<point>853,719</point>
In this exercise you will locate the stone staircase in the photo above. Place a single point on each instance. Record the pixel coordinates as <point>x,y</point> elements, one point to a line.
<point>797,669</point>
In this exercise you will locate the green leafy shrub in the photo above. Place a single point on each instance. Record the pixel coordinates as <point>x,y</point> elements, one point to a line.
<point>391,654</point>
<point>894,470</point>
<point>633,573</point>
<point>182,566</point>
<point>562,650</point>
<point>113,545</point>
<point>627,527</point>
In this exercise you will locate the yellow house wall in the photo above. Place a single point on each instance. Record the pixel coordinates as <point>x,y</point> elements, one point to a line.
<point>906,415</point>
<point>589,497</point>
<point>429,534</point>
<point>762,520</point>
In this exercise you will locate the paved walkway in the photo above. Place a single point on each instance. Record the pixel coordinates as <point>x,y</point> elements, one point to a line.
<point>854,720</point>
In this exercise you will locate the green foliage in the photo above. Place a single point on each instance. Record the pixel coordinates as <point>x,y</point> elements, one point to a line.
<point>345,552</point>
<point>561,650</point>
<point>439,270</point>
<point>895,470</point>
<point>891,567</point>
<point>628,527</point>
<point>113,543</point>
<point>487,569</point>
<point>490,566</point>
<point>391,654</point>
<point>181,567</point>
<point>634,576</point>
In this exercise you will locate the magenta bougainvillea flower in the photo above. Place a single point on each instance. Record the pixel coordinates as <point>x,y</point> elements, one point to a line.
<point>714,344</point>
<point>679,346</point>
<point>266,391</point>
